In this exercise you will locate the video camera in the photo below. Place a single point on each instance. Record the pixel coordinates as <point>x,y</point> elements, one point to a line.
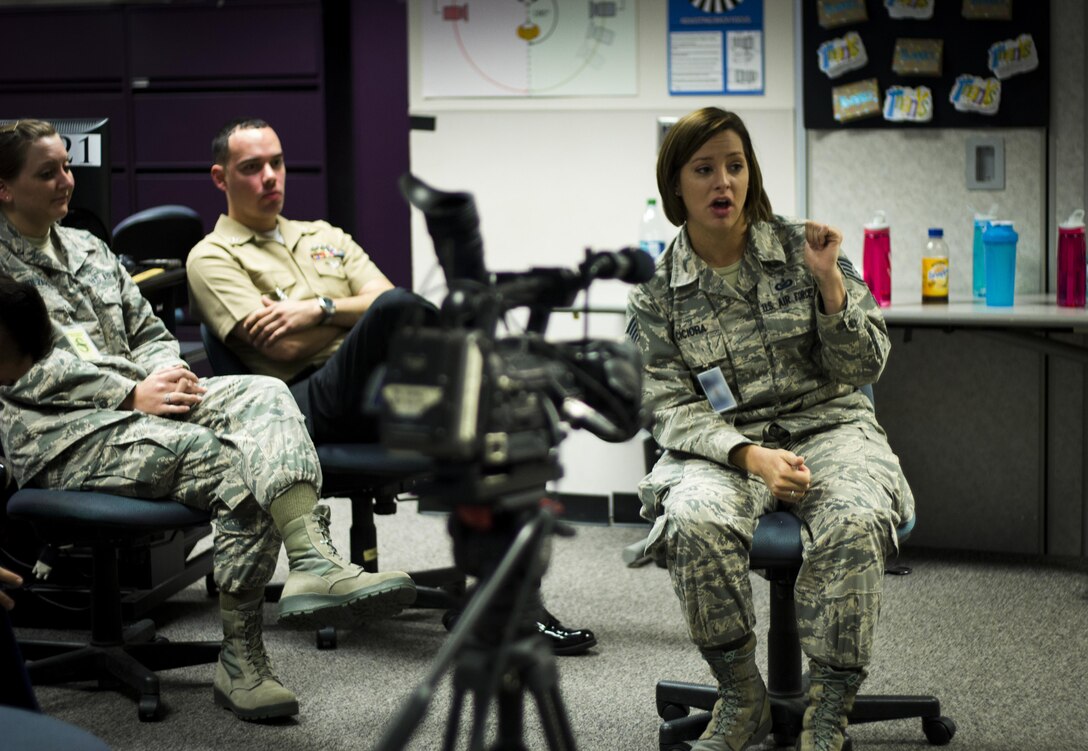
<point>489,410</point>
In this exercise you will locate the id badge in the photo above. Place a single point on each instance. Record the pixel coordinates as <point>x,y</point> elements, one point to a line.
<point>717,390</point>
<point>81,342</point>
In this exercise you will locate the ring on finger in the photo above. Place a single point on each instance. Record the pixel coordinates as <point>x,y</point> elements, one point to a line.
<point>793,494</point>
<point>168,398</point>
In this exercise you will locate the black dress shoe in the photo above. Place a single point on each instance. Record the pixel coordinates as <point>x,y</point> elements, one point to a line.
<point>564,641</point>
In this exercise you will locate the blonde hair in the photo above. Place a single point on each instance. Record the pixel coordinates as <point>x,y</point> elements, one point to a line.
<point>15,140</point>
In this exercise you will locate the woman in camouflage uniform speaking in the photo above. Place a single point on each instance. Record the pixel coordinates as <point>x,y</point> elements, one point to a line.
<point>109,405</point>
<point>756,336</point>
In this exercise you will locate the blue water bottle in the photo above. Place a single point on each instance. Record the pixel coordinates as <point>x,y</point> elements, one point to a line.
<point>1000,241</point>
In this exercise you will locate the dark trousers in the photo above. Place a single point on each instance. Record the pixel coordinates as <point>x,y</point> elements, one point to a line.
<point>338,398</point>
<point>15,690</point>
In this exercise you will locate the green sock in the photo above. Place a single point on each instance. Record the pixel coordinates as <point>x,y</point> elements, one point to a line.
<point>298,500</point>
<point>235,600</point>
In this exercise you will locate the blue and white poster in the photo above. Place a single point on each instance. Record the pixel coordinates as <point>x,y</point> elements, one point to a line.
<point>716,47</point>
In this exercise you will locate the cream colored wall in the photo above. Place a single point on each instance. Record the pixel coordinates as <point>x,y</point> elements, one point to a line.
<point>552,176</point>
<point>919,179</point>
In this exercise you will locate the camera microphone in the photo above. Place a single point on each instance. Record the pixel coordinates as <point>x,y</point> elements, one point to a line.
<point>629,265</point>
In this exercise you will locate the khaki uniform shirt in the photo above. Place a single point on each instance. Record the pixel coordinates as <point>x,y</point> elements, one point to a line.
<point>789,366</point>
<point>233,266</point>
<point>106,339</point>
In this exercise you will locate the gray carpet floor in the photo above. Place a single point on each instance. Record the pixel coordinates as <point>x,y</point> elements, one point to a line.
<point>1002,643</point>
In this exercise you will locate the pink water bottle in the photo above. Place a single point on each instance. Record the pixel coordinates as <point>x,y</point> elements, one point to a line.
<point>1071,271</point>
<point>877,259</point>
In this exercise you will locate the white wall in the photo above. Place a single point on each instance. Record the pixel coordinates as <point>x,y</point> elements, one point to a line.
<point>552,176</point>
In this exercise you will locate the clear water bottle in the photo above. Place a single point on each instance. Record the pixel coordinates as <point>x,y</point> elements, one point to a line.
<point>656,232</point>
<point>935,268</point>
<point>877,259</point>
<point>1071,269</point>
<point>978,253</point>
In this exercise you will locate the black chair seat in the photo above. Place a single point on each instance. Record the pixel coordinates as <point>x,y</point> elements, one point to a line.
<point>80,517</point>
<point>116,653</point>
<point>370,459</point>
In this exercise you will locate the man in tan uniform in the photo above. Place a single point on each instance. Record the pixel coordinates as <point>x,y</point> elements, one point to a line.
<point>300,301</point>
<point>303,302</point>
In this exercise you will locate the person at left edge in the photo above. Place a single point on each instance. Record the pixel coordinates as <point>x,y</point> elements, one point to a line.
<point>301,301</point>
<point>103,401</point>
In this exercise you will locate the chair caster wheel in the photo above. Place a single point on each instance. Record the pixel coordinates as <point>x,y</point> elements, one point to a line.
<point>326,637</point>
<point>939,731</point>
<point>148,708</point>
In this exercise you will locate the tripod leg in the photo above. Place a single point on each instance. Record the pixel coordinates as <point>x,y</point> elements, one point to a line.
<point>553,713</point>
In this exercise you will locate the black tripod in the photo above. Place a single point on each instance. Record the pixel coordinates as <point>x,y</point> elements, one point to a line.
<point>497,652</point>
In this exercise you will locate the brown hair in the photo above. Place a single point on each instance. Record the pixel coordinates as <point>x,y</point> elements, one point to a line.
<point>688,136</point>
<point>221,142</point>
<point>15,140</point>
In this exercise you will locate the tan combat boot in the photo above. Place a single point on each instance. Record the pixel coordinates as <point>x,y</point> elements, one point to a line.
<point>323,589</point>
<point>831,697</point>
<point>742,714</point>
<point>244,682</point>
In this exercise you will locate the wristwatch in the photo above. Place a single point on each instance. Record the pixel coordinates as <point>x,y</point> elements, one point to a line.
<point>328,308</point>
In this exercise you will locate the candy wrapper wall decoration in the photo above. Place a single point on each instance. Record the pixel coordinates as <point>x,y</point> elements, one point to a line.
<point>991,10</point>
<point>833,13</point>
<point>838,56</point>
<point>854,101</point>
<point>973,94</point>
<point>921,10</point>
<point>917,57</point>
<point>1012,56</point>
<point>908,105</point>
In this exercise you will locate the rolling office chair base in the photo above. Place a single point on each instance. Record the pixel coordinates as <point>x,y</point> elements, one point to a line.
<point>129,664</point>
<point>675,700</point>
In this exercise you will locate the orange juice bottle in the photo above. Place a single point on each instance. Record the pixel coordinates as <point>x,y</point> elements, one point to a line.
<point>935,268</point>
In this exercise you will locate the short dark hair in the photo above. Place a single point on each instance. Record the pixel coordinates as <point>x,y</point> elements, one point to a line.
<point>221,142</point>
<point>15,140</point>
<point>23,314</point>
<point>688,136</point>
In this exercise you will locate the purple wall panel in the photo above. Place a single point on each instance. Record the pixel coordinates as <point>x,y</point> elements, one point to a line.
<point>306,195</point>
<point>119,200</point>
<point>379,59</point>
<point>226,42</point>
<point>20,104</point>
<point>177,129</point>
<point>80,46</point>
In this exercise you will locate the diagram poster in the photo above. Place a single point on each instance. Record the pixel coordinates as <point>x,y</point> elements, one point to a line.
<point>528,48</point>
<point>715,46</point>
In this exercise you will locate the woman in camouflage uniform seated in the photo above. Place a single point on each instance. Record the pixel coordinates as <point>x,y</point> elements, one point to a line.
<point>756,336</point>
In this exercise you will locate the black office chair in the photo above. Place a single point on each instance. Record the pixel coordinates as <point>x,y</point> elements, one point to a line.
<point>161,237</point>
<point>776,556</point>
<point>115,654</point>
<point>166,232</point>
<point>371,477</point>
